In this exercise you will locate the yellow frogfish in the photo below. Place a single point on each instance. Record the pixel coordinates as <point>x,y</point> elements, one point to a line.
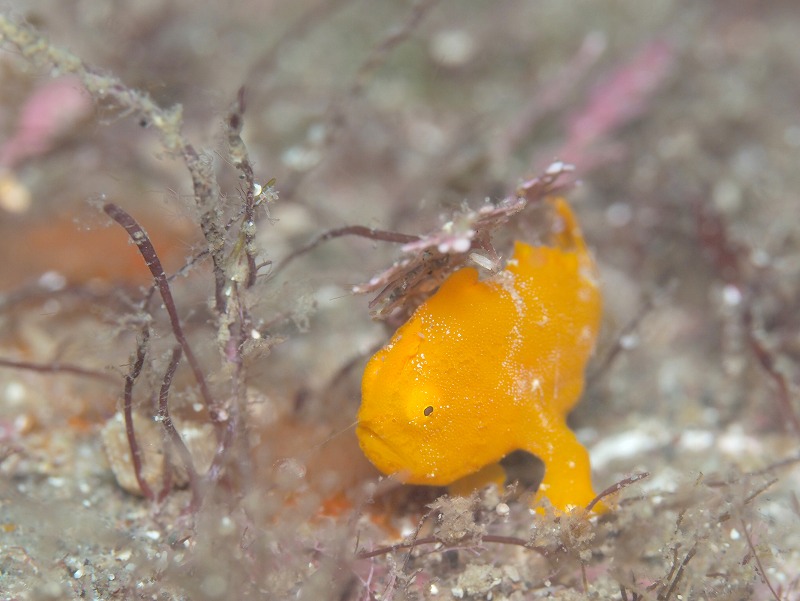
<point>487,367</point>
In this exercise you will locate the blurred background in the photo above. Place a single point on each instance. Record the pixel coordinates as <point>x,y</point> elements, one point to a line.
<point>682,120</point>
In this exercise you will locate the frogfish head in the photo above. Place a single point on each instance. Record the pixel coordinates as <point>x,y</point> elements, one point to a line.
<point>422,432</point>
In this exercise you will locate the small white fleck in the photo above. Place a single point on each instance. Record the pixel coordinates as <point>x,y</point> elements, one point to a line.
<point>629,341</point>
<point>453,47</point>
<point>226,526</point>
<point>735,534</point>
<point>626,444</point>
<point>434,590</point>
<point>483,261</point>
<point>457,592</point>
<point>461,245</point>
<point>153,534</point>
<point>77,573</point>
<point>124,555</point>
<point>14,393</point>
<point>502,509</point>
<point>52,280</point>
<point>255,334</point>
<point>731,295</point>
<point>696,440</point>
<point>727,196</point>
<point>300,158</point>
<point>735,442</point>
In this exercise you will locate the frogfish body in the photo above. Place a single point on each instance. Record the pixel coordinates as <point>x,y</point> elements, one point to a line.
<point>487,367</point>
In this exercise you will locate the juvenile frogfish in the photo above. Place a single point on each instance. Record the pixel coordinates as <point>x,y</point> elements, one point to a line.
<point>487,367</point>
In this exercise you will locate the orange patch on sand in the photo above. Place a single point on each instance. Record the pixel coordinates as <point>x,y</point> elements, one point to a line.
<point>55,243</point>
<point>80,424</point>
<point>335,505</point>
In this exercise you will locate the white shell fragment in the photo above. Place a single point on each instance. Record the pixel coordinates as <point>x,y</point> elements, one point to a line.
<point>151,439</point>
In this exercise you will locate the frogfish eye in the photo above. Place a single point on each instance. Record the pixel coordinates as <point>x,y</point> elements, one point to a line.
<point>428,410</point>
